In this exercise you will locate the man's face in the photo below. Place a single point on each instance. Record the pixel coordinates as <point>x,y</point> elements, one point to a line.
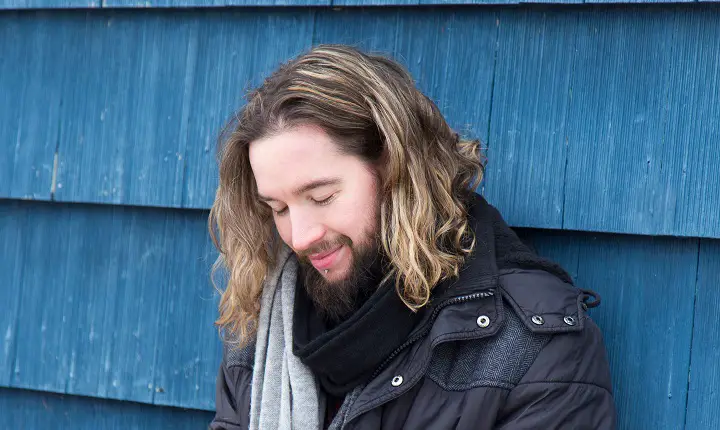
<point>324,203</point>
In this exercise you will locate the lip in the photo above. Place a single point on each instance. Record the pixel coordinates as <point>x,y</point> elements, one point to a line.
<point>324,260</point>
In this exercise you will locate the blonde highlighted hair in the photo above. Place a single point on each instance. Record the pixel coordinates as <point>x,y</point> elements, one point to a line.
<point>369,105</point>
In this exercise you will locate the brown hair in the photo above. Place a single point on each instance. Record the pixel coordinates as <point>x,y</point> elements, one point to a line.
<point>369,105</point>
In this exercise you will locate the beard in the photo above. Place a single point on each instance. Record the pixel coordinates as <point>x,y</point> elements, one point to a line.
<point>336,300</point>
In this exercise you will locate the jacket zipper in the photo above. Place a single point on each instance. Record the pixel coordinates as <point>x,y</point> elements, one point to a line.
<point>455,300</point>
<point>428,326</point>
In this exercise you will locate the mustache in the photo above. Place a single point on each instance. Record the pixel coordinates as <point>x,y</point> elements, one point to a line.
<point>324,247</point>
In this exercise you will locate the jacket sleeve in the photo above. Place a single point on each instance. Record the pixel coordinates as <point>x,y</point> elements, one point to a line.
<point>567,387</point>
<point>232,397</point>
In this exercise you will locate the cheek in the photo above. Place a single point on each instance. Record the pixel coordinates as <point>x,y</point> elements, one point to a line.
<point>360,215</point>
<point>284,229</point>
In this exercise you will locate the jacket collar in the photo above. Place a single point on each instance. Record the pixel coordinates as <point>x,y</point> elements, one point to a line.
<point>480,270</point>
<point>501,267</point>
<point>472,305</point>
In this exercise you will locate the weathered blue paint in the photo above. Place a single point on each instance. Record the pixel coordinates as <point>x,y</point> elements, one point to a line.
<point>557,1</point>
<point>375,2</point>
<point>633,2</point>
<point>30,106</point>
<point>635,144</point>
<point>125,120</point>
<point>188,348</point>
<point>529,116</point>
<point>210,3</point>
<point>48,4</point>
<point>92,4</point>
<point>704,396</point>
<point>374,30</point>
<point>113,302</point>
<point>647,287</point>
<point>588,127</point>
<point>23,409</point>
<point>12,244</point>
<point>125,109</point>
<point>691,131</point>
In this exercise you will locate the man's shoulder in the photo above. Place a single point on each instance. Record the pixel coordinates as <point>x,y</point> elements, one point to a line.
<point>545,303</point>
<point>575,351</point>
<point>499,360</point>
<point>539,313</point>
<point>235,355</point>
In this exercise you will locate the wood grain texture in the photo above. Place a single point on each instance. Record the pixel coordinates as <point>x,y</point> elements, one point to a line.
<point>375,2</point>
<point>127,91</point>
<point>23,409</point>
<point>30,106</point>
<point>635,2</point>
<point>114,302</point>
<point>704,395</point>
<point>647,286</point>
<point>49,4</point>
<point>599,120</point>
<point>92,4</point>
<point>635,150</point>
<point>11,275</point>
<point>527,145</point>
<point>127,86</point>
<point>442,2</point>
<point>210,3</point>
<point>691,132</point>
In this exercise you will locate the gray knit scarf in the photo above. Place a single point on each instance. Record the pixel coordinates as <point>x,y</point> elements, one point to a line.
<point>285,394</point>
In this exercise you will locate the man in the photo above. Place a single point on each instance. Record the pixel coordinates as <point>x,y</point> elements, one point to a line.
<point>369,287</point>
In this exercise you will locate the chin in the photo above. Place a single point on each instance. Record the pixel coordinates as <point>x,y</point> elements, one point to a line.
<point>334,277</point>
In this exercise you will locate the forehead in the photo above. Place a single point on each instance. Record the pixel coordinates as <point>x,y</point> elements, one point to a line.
<point>294,157</point>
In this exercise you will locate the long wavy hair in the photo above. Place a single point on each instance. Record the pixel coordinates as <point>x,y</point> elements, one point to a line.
<point>369,105</point>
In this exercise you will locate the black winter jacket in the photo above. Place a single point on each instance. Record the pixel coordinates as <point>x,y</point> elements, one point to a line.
<point>507,345</point>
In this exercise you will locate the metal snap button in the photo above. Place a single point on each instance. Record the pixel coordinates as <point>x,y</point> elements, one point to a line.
<point>569,320</point>
<point>397,381</point>
<point>537,319</point>
<point>483,321</point>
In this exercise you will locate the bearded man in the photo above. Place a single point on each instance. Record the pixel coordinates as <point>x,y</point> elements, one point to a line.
<point>369,287</point>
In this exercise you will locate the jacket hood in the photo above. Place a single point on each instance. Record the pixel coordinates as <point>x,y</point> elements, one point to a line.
<point>497,249</point>
<point>498,252</point>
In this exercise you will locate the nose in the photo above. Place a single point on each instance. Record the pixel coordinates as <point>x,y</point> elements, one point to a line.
<point>306,231</point>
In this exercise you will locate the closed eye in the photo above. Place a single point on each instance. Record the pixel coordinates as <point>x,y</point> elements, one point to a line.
<point>325,201</point>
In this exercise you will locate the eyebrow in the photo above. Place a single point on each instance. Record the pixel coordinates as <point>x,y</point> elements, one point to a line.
<point>306,187</point>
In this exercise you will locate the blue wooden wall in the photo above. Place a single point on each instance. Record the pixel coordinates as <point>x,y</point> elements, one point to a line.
<point>601,125</point>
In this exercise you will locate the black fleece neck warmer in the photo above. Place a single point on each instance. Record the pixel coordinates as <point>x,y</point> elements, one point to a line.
<point>346,355</point>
